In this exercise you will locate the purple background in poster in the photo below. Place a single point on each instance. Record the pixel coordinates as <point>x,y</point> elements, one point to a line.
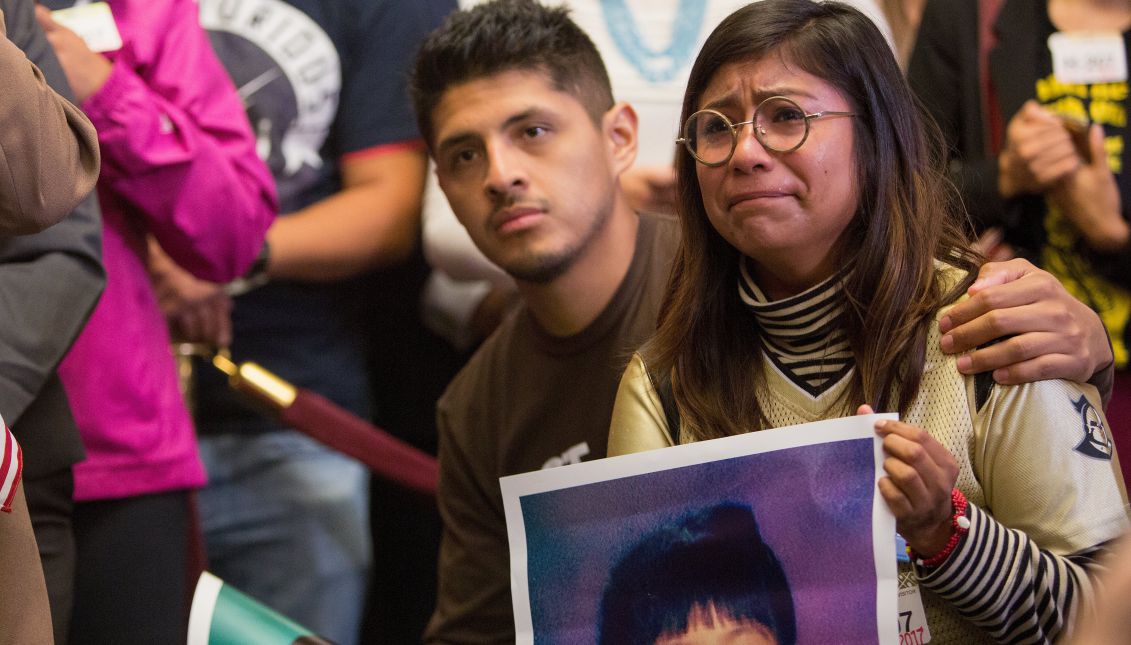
<point>813,505</point>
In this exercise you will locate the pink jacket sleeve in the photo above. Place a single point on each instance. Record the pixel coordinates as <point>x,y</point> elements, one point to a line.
<point>177,148</point>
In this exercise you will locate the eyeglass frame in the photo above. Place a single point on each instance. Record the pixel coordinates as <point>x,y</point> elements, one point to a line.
<point>759,132</point>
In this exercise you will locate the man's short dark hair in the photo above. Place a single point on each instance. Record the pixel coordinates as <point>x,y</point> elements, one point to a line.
<point>711,557</point>
<point>509,35</point>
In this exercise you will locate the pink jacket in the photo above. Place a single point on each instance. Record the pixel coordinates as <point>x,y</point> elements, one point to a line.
<point>178,163</point>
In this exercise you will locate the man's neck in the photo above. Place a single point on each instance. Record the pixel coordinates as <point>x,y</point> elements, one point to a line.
<point>571,302</point>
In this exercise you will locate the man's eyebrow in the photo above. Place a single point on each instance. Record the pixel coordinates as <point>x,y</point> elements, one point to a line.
<point>456,139</point>
<point>522,116</point>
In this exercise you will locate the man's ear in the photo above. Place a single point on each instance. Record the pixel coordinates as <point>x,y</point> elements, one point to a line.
<point>620,133</point>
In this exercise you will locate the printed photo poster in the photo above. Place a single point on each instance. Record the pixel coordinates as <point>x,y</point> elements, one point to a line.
<point>783,529</point>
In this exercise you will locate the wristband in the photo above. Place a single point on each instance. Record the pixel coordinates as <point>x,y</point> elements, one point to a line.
<point>960,525</point>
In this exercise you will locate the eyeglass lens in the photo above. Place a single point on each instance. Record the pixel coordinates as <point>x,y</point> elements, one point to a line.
<point>779,123</point>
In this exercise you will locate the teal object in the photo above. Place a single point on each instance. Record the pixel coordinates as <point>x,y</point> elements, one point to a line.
<point>238,619</point>
<point>656,66</point>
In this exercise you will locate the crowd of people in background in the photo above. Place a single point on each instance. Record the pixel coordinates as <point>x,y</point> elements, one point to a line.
<point>499,229</point>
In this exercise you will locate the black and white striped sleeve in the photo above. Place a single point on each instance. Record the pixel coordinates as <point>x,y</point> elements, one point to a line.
<point>1002,581</point>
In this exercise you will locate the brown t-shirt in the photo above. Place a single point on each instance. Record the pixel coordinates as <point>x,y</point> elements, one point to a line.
<point>528,400</point>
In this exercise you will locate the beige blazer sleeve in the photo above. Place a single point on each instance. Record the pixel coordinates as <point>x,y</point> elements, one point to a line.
<point>638,421</point>
<point>48,148</point>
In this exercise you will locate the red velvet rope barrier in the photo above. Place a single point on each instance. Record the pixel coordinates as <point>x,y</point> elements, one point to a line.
<point>385,455</point>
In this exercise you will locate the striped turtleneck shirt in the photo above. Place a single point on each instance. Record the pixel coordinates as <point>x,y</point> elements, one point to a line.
<point>802,334</point>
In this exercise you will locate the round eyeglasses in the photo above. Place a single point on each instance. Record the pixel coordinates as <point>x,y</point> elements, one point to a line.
<point>780,124</point>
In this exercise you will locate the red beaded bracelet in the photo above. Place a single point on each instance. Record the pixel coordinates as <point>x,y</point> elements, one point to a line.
<point>961,525</point>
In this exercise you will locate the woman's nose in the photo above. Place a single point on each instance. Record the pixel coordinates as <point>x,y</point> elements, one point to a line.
<point>749,153</point>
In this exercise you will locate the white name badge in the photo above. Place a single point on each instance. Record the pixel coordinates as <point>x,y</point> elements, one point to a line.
<point>94,23</point>
<point>913,628</point>
<point>1088,57</point>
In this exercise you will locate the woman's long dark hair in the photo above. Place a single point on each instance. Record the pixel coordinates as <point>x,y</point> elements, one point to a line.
<point>907,218</point>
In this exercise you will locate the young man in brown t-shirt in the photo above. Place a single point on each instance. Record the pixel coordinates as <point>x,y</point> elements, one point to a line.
<point>515,105</point>
<point>529,153</point>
